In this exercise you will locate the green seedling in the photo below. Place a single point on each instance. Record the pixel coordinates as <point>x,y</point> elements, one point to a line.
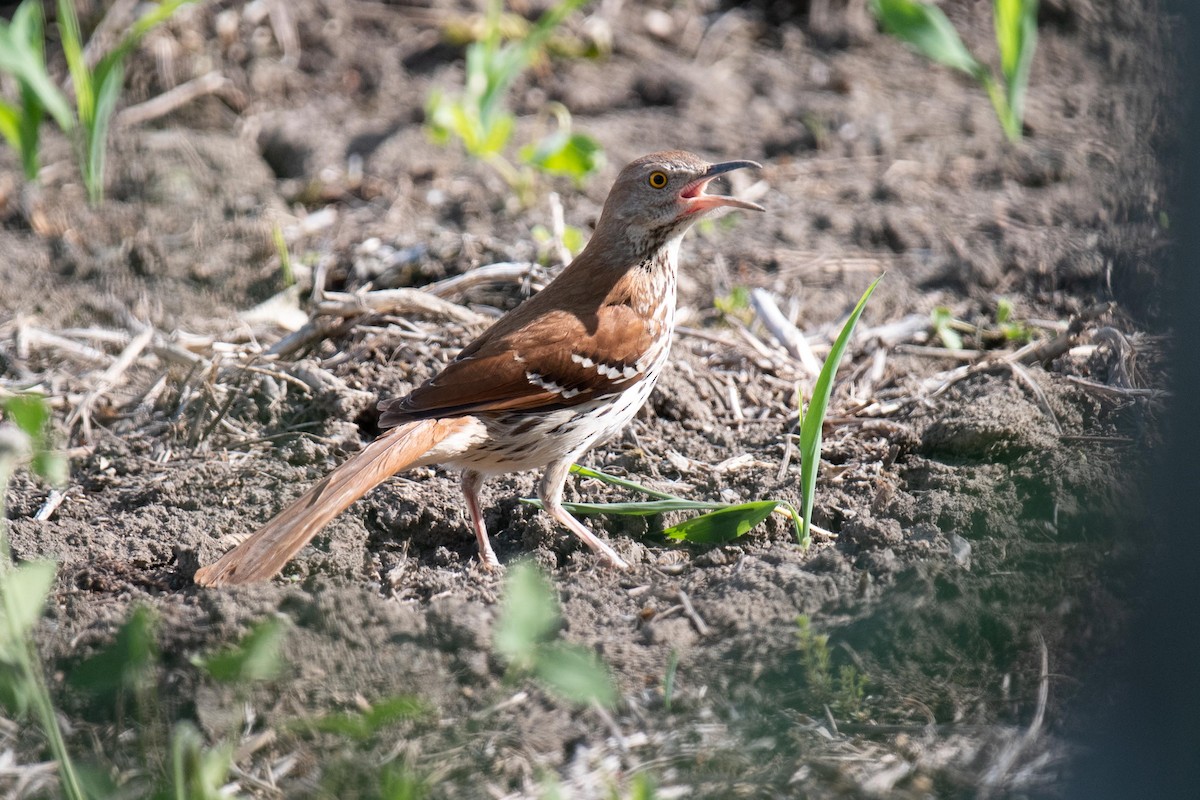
<point>812,419</point>
<point>844,692</point>
<point>950,329</point>
<point>356,777</point>
<point>723,522</point>
<point>22,56</point>
<point>25,588</point>
<point>669,679</point>
<point>97,88</point>
<point>285,256</point>
<point>1013,330</point>
<point>361,726</point>
<point>927,30</point>
<point>527,638</point>
<point>573,240</point>
<point>198,772</point>
<point>944,327</point>
<point>256,657</point>
<point>479,118</point>
<point>736,304</point>
<point>125,669</point>
<point>641,787</point>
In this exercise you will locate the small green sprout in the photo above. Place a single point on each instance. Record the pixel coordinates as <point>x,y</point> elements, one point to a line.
<point>285,256</point>
<point>1012,329</point>
<point>24,589</point>
<point>844,692</point>
<point>22,55</point>
<point>724,522</point>
<point>362,726</point>
<point>736,304</point>
<point>256,657</point>
<point>478,116</point>
<point>812,419</point>
<point>927,30</point>
<point>198,772</point>
<point>669,679</point>
<point>527,637</point>
<point>573,240</point>
<point>98,88</point>
<point>944,326</point>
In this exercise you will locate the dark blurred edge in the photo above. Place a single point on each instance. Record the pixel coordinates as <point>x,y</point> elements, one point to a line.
<point>1145,714</point>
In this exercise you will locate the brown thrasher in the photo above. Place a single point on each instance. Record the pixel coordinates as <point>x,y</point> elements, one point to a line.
<point>564,370</point>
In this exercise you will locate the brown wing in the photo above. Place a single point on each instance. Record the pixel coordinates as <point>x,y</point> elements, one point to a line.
<point>555,360</point>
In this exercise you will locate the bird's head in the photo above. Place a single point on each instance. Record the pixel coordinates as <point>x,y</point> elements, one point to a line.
<point>658,197</point>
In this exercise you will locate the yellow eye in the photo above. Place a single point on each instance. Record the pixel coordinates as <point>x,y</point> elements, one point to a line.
<point>658,179</point>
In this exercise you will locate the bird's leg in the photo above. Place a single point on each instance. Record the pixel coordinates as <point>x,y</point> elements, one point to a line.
<point>550,491</point>
<point>471,483</point>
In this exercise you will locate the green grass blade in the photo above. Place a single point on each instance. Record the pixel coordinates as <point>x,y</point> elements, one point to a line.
<point>21,55</point>
<point>646,508</point>
<point>81,76</point>
<point>624,483</point>
<point>812,419</point>
<point>151,19</point>
<point>926,29</point>
<point>1016,35</point>
<point>30,130</point>
<point>11,121</point>
<point>362,725</point>
<point>109,84</point>
<point>722,525</point>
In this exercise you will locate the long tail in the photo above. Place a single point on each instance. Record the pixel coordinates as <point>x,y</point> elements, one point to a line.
<point>270,547</point>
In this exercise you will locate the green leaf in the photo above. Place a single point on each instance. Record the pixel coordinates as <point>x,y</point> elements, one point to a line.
<point>397,782</point>
<point>125,665</point>
<point>723,525</point>
<point>926,29</point>
<point>668,684</point>
<point>21,55</point>
<point>575,673</point>
<point>1016,35</point>
<point>23,595</point>
<point>30,413</point>
<point>613,480</point>
<point>158,13</point>
<point>574,155</point>
<point>10,123</point>
<point>942,318</point>
<point>31,123</point>
<point>735,304</point>
<point>257,657</point>
<point>81,76</point>
<point>109,83</point>
<point>51,466</point>
<point>529,615</point>
<point>642,787</point>
<point>197,771</point>
<point>361,726</point>
<point>646,508</point>
<point>812,419</point>
<point>573,239</point>
<point>1004,310</point>
<point>16,691</point>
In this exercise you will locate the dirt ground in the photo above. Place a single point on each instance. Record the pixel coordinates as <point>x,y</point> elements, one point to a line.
<point>982,553</point>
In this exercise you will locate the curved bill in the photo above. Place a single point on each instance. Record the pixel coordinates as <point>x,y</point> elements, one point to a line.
<point>699,201</point>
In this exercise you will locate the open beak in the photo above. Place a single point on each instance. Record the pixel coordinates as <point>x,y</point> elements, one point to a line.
<point>696,200</point>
